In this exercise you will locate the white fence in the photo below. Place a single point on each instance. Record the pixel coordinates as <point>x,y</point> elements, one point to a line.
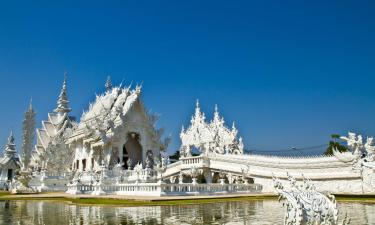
<point>162,189</point>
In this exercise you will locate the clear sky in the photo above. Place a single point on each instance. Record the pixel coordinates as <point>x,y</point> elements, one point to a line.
<point>290,73</point>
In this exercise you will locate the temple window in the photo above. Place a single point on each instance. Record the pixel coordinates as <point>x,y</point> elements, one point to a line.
<point>125,157</point>
<point>84,164</point>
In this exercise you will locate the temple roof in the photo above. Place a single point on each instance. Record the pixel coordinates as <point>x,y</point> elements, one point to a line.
<point>108,107</point>
<point>55,124</point>
<point>10,152</point>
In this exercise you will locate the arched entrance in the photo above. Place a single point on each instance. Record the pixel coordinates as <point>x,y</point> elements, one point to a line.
<point>132,150</point>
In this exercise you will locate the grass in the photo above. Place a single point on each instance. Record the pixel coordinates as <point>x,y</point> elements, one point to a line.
<point>4,193</point>
<point>355,198</point>
<point>127,202</point>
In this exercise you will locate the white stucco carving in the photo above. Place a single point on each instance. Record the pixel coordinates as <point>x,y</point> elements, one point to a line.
<point>305,205</point>
<point>210,138</point>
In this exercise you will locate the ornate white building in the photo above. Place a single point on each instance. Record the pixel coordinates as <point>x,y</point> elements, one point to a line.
<point>116,130</point>
<point>210,138</point>
<point>116,148</point>
<point>9,163</point>
<point>51,152</point>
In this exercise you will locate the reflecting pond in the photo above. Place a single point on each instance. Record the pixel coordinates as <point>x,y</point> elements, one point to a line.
<point>233,212</point>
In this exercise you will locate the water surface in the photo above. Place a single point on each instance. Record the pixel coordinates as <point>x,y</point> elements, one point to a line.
<point>238,212</point>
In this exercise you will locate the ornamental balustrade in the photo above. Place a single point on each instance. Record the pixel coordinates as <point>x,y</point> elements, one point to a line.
<point>160,189</point>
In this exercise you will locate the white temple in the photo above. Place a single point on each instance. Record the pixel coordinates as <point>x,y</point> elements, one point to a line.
<point>115,148</point>
<point>116,130</point>
<point>9,163</point>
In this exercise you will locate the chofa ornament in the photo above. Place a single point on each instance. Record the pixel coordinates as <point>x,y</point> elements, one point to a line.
<point>305,205</point>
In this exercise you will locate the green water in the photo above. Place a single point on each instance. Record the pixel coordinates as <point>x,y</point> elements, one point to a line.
<point>241,212</point>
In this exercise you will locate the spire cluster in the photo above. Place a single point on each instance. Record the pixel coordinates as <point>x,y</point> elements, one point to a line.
<point>213,137</point>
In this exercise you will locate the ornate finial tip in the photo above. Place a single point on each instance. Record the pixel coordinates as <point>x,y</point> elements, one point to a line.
<point>31,104</point>
<point>108,83</point>
<point>11,138</point>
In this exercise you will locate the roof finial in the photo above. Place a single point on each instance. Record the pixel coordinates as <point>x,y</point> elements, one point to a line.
<point>108,84</point>
<point>10,148</point>
<point>216,108</point>
<point>62,102</point>
<point>31,104</point>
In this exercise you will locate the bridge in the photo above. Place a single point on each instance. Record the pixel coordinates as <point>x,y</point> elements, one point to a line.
<point>328,173</point>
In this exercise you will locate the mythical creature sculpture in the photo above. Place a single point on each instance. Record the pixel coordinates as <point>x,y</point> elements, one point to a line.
<point>305,205</point>
<point>370,148</point>
<point>354,142</point>
<point>359,154</point>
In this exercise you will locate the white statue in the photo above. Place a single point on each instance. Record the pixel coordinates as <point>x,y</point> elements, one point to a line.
<point>354,143</point>
<point>370,148</point>
<point>305,205</point>
<point>361,154</point>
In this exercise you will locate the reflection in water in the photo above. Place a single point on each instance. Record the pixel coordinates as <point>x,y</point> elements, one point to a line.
<point>241,212</point>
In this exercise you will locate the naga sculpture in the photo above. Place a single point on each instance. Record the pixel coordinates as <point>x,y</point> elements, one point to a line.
<point>305,205</point>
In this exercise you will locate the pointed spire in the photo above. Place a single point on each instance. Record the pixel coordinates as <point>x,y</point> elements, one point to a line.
<point>216,113</point>
<point>108,84</point>
<point>31,105</point>
<point>198,117</point>
<point>234,130</point>
<point>217,120</point>
<point>28,135</point>
<point>197,109</point>
<point>62,102</point>
<point>183,129</point>
<point>10,148</point>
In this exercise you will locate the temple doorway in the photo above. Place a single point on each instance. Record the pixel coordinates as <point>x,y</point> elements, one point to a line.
<point>125,157</point>
<point>132,150</point>
<point>10,174</point>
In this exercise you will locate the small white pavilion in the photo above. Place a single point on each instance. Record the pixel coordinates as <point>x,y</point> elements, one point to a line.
<point>9,163</point>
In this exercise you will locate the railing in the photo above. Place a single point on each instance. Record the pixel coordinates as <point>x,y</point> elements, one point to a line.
<point>161,189</point>
<point>188,189</point>
<point>193,160</point>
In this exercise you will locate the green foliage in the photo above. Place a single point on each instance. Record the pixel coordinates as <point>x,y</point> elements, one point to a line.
<point>175,156</point>
<point>333,144</point>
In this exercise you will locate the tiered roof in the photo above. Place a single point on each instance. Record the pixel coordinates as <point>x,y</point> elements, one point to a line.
<point>106,113</point>
<point>10,152</point>
<point>106,116</point>
<point>56,124</point>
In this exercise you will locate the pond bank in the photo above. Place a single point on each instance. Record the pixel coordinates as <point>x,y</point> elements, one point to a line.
<point>164,200</point>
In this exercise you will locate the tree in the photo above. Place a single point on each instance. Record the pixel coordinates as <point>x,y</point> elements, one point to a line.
<point>28,135</point>
<point>333,144</point>
<point>175,156</point>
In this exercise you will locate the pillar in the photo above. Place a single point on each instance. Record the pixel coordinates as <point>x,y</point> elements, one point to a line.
<point>207,175</point>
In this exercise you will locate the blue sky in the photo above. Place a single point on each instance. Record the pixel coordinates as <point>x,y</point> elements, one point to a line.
<point>290,73</point>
